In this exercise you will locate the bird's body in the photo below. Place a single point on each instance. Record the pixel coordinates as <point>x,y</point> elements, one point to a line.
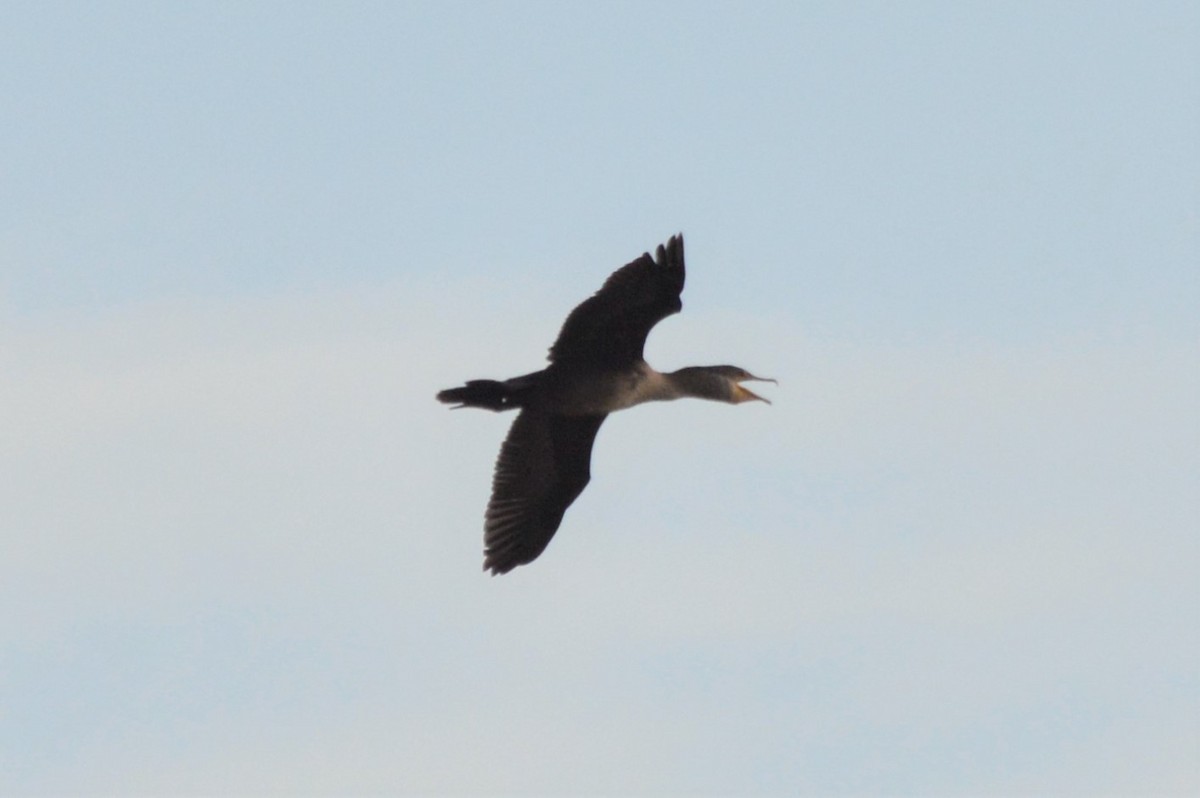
<point>596,368</point>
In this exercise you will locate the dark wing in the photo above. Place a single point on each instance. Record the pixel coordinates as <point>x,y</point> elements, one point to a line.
<point>610,327</point>
<point>544,464</point>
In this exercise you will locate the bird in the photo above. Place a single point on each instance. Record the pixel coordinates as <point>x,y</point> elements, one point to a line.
<point>596,368</point>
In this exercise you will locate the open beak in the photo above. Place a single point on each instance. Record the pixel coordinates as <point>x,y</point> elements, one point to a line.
<point>744,394</point>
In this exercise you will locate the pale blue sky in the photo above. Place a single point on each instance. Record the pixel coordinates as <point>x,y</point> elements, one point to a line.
<point>242,245</point>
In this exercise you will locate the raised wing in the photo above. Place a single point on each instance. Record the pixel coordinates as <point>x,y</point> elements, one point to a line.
<point>610,327</point>
<point>543,466</point>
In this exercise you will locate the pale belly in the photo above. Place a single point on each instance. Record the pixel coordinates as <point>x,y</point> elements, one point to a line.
<point>607,392</point>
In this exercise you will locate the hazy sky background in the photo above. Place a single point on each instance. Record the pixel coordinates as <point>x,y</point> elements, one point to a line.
<point>242,245</point>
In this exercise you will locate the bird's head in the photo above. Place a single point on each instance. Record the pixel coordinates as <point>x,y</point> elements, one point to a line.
<point>735,376</point>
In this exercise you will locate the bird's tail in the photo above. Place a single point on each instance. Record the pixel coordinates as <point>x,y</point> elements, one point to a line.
<point>491,394</point>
